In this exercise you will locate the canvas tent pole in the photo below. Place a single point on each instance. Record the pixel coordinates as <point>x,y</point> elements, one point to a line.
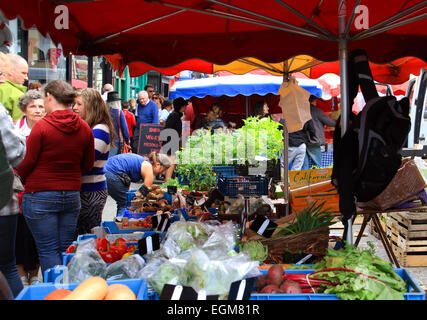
<point>343,58</point>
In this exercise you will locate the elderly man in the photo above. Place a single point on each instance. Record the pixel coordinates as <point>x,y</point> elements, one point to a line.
<point>146,112</point>
<point>12,89</point>
<point>108,87</point>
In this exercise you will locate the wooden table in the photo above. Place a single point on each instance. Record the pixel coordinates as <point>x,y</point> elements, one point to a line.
<point>369,214</point>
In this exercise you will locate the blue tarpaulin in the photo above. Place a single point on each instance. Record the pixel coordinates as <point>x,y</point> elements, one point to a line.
<point>231,86</point>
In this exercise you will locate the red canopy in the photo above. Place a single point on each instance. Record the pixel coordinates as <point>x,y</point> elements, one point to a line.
<point>165,33</point>
<point>395,72</point>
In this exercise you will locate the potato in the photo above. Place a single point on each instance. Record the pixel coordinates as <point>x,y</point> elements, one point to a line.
<point>271,288</point>
<point>275,275</point>
<point>261,282</point>
<point>290,286</point>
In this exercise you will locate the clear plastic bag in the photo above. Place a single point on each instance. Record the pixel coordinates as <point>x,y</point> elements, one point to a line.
<point>127,268</point>
<point>208,262</point>
<point>159,272</point>
<point>222,241</point>
<point>215,275</point>
<point>86,263</point>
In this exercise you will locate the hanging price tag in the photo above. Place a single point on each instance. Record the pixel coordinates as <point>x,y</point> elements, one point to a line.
<point>263,226</point>
<point>149,244</point>
<point>241,290</point>
<point>161,222</point>
<point>178,292</point>
<point>190,200</point>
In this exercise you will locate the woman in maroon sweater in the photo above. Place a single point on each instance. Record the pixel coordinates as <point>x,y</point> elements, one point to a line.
<point>59,149</point>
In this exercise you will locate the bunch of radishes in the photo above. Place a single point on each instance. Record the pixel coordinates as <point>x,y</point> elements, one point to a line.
<point>275,281</point>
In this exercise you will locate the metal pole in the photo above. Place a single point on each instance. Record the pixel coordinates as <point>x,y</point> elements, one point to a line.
<point>343,58</point>
<point>285,149</point>
<point>286,165</point>
<point>90,72</point>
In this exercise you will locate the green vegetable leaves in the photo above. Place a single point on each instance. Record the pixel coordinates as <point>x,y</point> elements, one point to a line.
<point>361,275</point>
<point>308,219</point>
<point>256,250</point>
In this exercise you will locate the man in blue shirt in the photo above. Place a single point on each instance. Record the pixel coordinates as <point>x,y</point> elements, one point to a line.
<point>146,110</point>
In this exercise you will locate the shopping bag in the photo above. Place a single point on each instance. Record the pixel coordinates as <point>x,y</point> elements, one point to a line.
<point>295,105</point>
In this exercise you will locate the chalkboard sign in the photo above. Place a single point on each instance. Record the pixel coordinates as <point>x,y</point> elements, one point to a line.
<point>149,138</point>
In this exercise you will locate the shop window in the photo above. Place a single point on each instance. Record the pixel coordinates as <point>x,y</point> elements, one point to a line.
<point>80,72</point>
<point>46,61</point>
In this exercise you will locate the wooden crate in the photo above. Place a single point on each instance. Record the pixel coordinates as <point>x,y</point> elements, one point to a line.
<point>408,234</point>
<point>373,230</point>
<point>303,197</point>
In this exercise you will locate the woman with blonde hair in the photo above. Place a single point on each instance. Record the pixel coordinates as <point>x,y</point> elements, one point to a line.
<point>90,106</point>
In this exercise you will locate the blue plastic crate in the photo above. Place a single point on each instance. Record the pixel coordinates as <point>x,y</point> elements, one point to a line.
<point>85,237</point>
<point>248,185</point>
<point>415,292</point>
<point>111,227</point>
<point>225,171</point>
<point>130,196</point>
<point>40,291</point>
<point>136,215</point>
<point>168,197</point>
<point>327,160</point>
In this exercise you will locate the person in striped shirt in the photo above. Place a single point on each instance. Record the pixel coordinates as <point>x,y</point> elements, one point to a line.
<point>90,106</point>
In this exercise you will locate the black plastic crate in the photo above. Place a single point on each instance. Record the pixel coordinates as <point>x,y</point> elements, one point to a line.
<point>245,186</point>
<point>241,169</point>
<point>273,170</point>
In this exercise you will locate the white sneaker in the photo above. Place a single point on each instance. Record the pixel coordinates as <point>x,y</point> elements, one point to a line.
<point>24,280</point>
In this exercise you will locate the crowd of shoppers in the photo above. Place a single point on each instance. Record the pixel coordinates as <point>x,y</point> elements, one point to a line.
<point>70,148</point>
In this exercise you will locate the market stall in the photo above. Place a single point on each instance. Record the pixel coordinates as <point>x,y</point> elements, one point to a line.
<point>236,94</point>
<point>237,29</point>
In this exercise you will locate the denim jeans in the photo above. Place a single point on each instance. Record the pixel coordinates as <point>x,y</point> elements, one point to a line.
<point>296,156</point>
<point>8,226</point>
<point>52,218</point>
<point>315,153</point>
<point>113,151</point>
<point>117,190</point>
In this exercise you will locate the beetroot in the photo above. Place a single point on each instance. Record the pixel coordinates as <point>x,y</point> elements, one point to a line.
<point>275,275</point>
<point>290,286</point>
<point>261,282</point>
<point>271,288</point>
